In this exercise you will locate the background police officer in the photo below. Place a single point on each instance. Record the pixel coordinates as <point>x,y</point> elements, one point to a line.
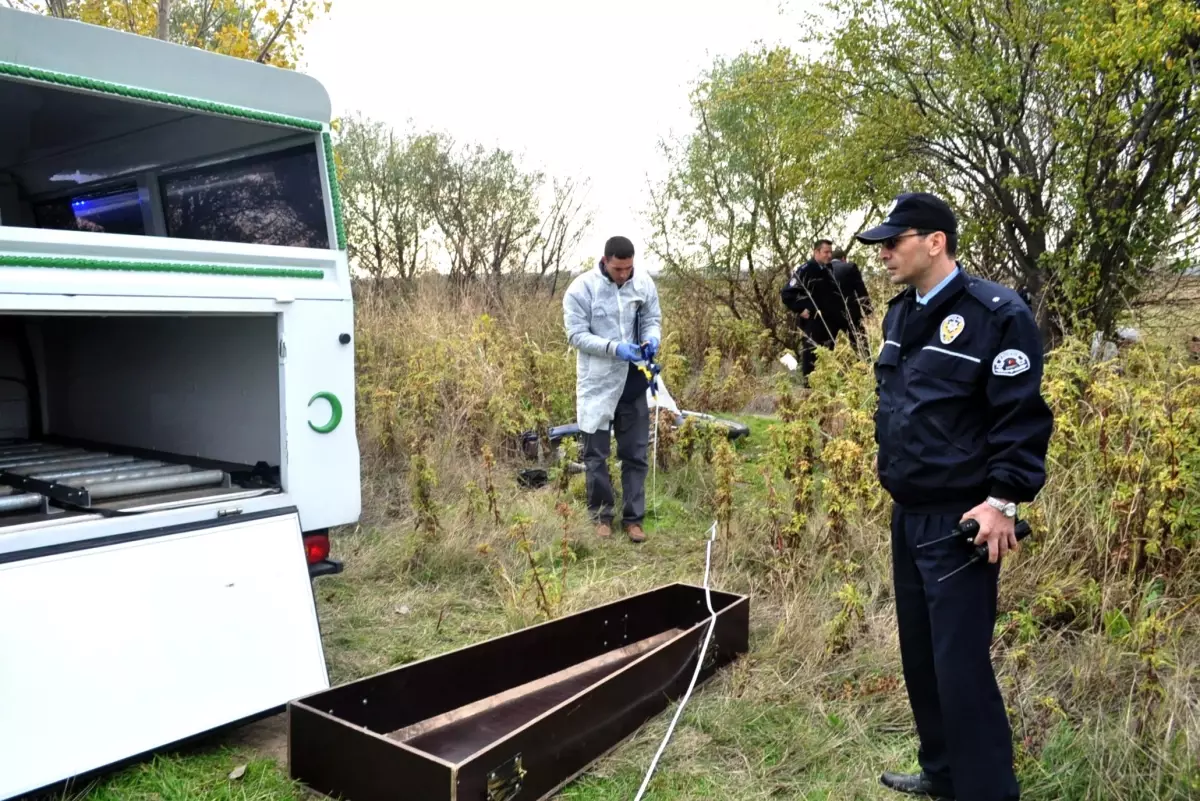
<point>962,430</point>
<point>812,293</point>
<point>856,300</point>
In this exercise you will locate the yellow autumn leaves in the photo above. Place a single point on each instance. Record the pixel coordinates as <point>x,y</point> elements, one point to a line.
<point>270,31</point>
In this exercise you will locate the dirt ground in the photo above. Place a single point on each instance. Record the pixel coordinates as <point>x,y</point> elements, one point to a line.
<point>267,737</point>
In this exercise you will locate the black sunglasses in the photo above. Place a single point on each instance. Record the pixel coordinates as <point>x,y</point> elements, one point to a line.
<point>891,241</point>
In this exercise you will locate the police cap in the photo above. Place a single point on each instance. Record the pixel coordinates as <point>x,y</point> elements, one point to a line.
<point>919,210</point>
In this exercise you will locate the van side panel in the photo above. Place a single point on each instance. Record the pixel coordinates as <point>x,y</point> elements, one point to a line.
<point>159,638</point>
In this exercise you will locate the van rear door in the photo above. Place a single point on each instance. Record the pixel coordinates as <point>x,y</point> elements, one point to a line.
<point>115,647</point>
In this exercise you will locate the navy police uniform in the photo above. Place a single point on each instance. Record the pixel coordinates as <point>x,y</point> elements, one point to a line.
<point>960,417</point>
<point>960,414</point>
<point>814,288</point>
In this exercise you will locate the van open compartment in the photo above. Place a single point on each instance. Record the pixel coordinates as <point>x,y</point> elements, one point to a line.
<point>121,412</point>
<point>517,716</point>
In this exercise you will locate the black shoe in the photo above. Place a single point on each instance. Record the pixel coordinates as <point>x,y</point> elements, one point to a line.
<point>916,784</point>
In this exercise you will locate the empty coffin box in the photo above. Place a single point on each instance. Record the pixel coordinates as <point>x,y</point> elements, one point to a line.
<point>516,717</point>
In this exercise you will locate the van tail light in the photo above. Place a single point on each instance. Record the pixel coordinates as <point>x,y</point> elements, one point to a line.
<point>316,547</point>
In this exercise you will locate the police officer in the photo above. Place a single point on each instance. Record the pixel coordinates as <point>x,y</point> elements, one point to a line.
<point>813,294</point>
<point>962,431</point>
<point>855,298</point>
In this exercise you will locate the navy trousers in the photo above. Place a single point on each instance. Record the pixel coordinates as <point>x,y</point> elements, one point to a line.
<point>945,647</point>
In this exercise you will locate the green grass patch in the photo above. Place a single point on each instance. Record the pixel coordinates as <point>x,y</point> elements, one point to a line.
<point>204,776</point>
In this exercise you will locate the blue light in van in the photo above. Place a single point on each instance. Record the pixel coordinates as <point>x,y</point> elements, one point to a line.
<point>93,205</point>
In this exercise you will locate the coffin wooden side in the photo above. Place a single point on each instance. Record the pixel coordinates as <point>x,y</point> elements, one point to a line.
<point>347,762</point>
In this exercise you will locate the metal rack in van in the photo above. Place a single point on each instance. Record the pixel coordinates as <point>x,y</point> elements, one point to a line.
<point>46,477</point>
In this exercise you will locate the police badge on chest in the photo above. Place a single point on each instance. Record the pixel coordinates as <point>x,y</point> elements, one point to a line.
<point>951,327</point>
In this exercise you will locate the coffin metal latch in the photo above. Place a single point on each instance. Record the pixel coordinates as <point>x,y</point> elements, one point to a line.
<point>504,782</point>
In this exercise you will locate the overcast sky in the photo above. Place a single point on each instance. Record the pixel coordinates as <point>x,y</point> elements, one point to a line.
<point>576,89</point>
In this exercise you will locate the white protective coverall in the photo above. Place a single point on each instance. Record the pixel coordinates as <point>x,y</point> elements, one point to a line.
<point>598,316</point>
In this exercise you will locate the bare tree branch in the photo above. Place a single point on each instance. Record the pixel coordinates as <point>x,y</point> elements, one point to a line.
<point>130,21</point>
<point>283,21</point>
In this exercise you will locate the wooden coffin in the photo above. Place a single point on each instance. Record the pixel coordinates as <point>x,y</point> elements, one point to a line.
<point>516,717</point>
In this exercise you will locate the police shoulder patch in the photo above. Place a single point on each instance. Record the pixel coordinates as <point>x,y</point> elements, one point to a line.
<point>1010,362</point>
<point>952,326</point>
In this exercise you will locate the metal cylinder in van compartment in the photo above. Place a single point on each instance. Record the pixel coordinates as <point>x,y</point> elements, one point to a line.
<point>23,500</point>
<point>120,468</point>
<point>138,486</point>
<point>49,457</point>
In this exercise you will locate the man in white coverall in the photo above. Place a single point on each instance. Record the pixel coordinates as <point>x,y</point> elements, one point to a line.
<point>613,321</point>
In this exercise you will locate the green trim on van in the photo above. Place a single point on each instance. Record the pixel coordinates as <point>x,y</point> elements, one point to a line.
<point>63,263</point>
<point>335,192</point>
<point>151,95</point>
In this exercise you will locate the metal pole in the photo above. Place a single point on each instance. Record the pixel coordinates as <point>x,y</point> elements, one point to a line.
<point>103,470</point>
<point>63,456</point>
<point>128,474</point>
<point>27,447</point>
<point>72,463</point>
<point>26,500</point>
<point>140,486</point>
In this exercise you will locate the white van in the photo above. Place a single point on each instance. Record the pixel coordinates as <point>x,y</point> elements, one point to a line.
<point>177,428</point>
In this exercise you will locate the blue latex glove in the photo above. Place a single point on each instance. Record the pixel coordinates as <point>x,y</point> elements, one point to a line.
<point>628,352</point>
<point>650,349</point>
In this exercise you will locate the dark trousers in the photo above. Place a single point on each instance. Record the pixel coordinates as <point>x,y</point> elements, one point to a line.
<point>808,349</point>
<point>631,424</point>
<point>945,641</point>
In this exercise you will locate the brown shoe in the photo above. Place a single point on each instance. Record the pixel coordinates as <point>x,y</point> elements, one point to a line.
<point>603,530</point>
<point>635,533</point>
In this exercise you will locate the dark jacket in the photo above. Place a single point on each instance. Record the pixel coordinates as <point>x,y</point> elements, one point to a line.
<point>854,295</point>
<point>813,288</point>
<point>960,413</point>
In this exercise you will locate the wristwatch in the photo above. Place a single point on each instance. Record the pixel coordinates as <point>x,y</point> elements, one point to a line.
<point>1007,507</point>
